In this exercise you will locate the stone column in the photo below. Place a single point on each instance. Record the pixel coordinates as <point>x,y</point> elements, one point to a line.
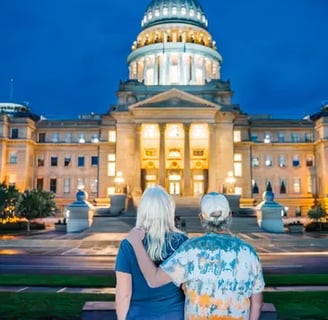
<point>162,127</point>
<point>137,171</point>
<point>187,173</point>
<point>211,159</point>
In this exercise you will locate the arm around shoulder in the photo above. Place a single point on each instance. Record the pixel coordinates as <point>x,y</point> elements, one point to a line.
<point>154,276</point>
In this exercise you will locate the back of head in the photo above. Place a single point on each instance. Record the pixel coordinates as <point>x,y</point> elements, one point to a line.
<point>155,214</point>
<point>215,211</point>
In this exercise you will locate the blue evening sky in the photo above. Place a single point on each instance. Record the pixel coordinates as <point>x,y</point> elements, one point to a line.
<point>67,56</point>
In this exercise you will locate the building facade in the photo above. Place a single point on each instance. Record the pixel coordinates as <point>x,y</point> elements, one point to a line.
<point>174,124</point>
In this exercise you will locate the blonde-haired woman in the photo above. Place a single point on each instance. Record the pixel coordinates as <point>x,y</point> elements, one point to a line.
<point>134,298</point>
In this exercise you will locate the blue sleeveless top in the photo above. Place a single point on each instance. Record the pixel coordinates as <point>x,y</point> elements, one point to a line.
<point>165,302</point>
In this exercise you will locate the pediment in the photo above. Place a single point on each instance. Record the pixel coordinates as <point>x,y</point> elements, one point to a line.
<point>174,98</point>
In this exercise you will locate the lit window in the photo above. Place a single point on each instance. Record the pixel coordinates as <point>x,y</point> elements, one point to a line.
<point>174,10</point>
<point>237,157</point>
<point>297,185</point>
<point>157,12</point>
<point>199,131</point>
<point>93,186</point>
<point>165,11</point>
<point>183,11</point>
<point>111,157</point>
<point>80,183</point>
<point>112,136</point>
<point>67,185</point>
<point>191,12</point>
<point>237,169</point>
<point>236,136</point>
<point>111,165</point>
<point>174,153</point>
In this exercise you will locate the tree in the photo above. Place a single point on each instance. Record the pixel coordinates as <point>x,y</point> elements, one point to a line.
<point>8,198</point>
<point>317,212</point>
<point>36,203</point>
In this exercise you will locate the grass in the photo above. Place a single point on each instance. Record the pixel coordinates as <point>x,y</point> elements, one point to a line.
<point>45,306</point>
<point>68,306</point>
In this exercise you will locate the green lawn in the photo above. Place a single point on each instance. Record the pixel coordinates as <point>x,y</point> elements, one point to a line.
<point>68,306</point>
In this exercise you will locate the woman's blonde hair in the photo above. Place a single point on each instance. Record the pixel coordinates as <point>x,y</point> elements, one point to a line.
<point>155,214</point>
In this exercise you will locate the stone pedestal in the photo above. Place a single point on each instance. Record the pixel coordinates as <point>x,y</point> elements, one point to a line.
<point>234,202</point>
<point>79,214</point>
<point>118,203</point>
<point>269,214</point>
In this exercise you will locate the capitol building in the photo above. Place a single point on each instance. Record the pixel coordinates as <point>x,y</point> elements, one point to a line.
<point>173,124</point>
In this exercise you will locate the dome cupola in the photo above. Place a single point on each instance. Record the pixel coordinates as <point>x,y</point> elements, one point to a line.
<point>168,11</point>
<point>174,46</point>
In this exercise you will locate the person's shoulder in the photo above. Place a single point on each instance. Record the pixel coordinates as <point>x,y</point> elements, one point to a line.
<point>125,244</point>
<point>177,237</point>
<point>245,245</point>
<point>192,243</point>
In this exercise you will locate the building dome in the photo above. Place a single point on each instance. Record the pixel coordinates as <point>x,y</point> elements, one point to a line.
<point>162,11</point>
<point>174,46</point>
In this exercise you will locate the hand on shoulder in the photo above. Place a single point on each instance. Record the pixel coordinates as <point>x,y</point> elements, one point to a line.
<point>136,235</point>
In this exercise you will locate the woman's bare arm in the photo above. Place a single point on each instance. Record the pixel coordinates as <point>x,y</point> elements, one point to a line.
<point>154,276</point>
<point>123,294</point>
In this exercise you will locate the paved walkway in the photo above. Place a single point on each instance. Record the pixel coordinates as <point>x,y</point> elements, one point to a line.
<point>106,233</point>
<point>104,236</point>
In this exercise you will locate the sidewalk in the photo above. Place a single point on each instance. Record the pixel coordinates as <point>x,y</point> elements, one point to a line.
<point>104,236</point>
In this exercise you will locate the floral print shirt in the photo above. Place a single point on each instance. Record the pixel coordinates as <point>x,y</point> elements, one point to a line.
<point>220,272</point>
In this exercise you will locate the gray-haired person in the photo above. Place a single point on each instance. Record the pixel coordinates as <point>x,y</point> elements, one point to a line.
<point>221,274</point>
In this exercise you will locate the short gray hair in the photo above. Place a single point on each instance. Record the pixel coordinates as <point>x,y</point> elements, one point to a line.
<point>214,226</point>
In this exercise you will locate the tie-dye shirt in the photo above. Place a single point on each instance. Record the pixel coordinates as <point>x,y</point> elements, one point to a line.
<point>220,272</point>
